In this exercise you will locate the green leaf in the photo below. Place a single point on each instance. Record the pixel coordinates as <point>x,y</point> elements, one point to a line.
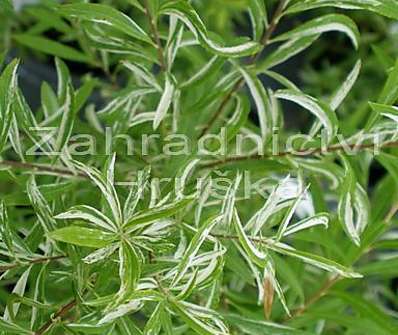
<point>68,118</point>
<point>315,260</point>
<point>261,100</point>
<point>89,214</point>
<point>8,87</point>
<point>256,256</point>
<point>85,237</point>
<point>184,11</point>
<point>156,213</point>
<point>258,17</point>
<point>164,103</point>
<point>51,47</point>
<point>194,246</point>
<point>5,229</point>
<point>389,95</point>
<point>326,23</point>
<point>322,112</point>
<point>239,118</point>
<point>107,190</point>
<point>353,206</point>
<point>198,318</point>
<point>41,206</point>
<point>387,8</point>
<point>106,15</point>
<point>284,52</point>
<point>321,219</point>
<point>343,91</point>
<point>129,270</point>
<point>64,80</point>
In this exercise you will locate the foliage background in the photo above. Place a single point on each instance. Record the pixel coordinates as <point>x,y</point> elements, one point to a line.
<point>167,263</point>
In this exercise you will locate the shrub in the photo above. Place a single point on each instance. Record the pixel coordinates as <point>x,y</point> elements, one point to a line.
<point>180,179</point>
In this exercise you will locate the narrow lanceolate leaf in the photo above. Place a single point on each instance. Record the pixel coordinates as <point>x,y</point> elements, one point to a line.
<point>193,248</point>
<point>353,206</point>
<point>258,17</point>
<point>159,212</point>
<point>187,14</point>
<point>202,321</point>
<point>183,176</point>
<point>154,325</point>
<point>51,47</point>
<point>261,100</point>
<point>19,289</point>
<point>289,215</point>
<point>164,103</point>
<point>129,269</point>
<point>314,260</point>
<point>122,310</point>
<point>8,87</point>
<point>142,73</point>
<point>100,254</point>
<point>68,118</point>
<point>316,220</point>
<point>206,70</point>
<point>343,91</point>
<point>42,208</point>
<point>388,96</point>
<point>89,214</point>
<point>260,218</point>
<point>106,15</point>
<point>5,229</point>
<point>322,112</point>
<point>387,8</point>
<point>239,118</point>
<point>64,80</point>
<point>85,237</point>
<point>228,205</point>
<point>256,256</point>
<point>331,22</point>
<point>286,51</point>
<point>135,194</point>
<point>107,189</point>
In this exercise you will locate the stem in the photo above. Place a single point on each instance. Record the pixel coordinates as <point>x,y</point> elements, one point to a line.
<point>264,41</point>
<point>155,34</point>
<point>42,168</point>
<point>318,295</point>
<point>59,314</point>
<point>299,153</point>
<point>33,261</point>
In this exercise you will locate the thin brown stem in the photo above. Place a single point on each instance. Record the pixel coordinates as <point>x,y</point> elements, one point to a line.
<point>264,41</point>
<point>30,262</point>
<point>317,296</point>
<point>42,168</point>
<point>299,153</point>
<point>62,312</point>
<point>156,36</point>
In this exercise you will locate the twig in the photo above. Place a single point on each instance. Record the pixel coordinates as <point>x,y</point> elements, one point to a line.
<point>155,34</point>
<point>63,311</point>
<point>318,295</point>
<point>42,168</point>
<point>33,261</point>
<point>390,215</point>
<point>298,153</point>
<point>264,41</point>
